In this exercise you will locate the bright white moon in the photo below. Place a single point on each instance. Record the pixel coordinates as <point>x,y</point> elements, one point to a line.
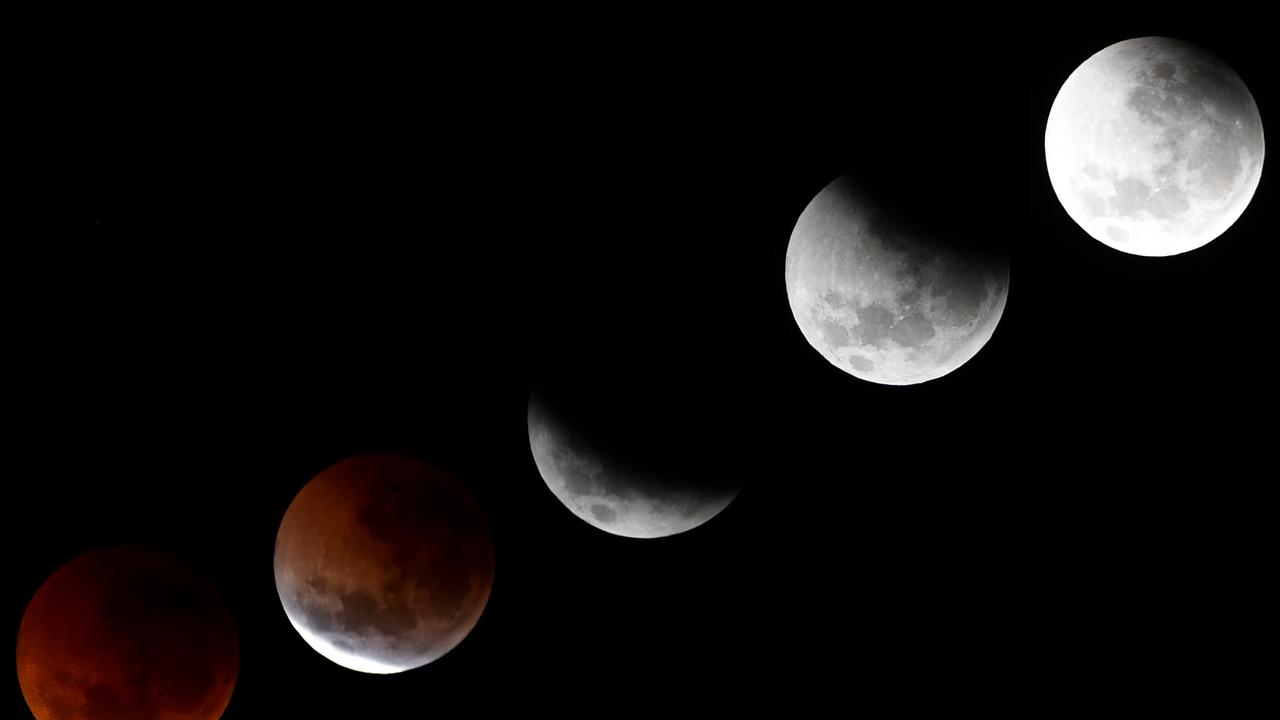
<point>1154,146</point>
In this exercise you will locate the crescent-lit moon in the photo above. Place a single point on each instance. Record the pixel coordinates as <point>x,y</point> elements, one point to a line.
<point>1154,146</point>
<point>633,424</point>
<point>612,494</point>
<point>383,563</point>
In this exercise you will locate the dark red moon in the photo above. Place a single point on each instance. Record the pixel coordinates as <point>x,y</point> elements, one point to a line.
<point>130,633</point>
<point>383,563</point>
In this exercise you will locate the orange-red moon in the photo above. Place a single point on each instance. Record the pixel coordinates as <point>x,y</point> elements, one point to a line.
<point>383,563</point>
<point>130,633</point>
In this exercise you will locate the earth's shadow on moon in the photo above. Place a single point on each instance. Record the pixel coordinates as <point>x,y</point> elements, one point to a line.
<point>633,403</point>
<point>384,562</point>
<point>127,631</point>
<point>891,282</point>
<point>934,211</point>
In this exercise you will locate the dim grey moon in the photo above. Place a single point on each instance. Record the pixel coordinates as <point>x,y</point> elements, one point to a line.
<point>1154,146</point>
<point>612,494</point>
<point>383,563</point>
<point>886,302</point>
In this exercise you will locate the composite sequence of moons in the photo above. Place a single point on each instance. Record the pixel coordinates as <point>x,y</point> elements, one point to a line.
<point>127,633</point>
<point>383,563</point>
<point>1154,146</point>
<point>885,301</point>
<point>836,509</point>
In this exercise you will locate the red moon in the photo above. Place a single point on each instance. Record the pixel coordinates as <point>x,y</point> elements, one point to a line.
<point>127,632</point>
<point>383,563</point>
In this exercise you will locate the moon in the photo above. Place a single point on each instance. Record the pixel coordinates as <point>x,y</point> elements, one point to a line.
<point>1154,146</point>
<point>886,301</point>
<point>609,492</point>
<point>127,632</point>
<point>383,563</point>
<point>633,422</point>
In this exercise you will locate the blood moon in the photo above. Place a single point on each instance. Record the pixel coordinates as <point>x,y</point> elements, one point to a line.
<point>127,632</point>
<point>383,563</point>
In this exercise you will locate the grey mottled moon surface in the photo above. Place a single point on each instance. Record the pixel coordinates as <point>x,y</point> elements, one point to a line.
<point>884,302</point>
<point>612,494</point>
<point>1154,146</point>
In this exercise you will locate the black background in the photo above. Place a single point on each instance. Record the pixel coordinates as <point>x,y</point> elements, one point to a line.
<point>247,247</point>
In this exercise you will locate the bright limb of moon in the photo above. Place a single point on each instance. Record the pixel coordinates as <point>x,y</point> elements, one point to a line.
<point>349,660</point>
<point>1154,146</point>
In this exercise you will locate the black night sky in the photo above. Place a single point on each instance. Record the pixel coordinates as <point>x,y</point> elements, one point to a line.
<point>248,247</point>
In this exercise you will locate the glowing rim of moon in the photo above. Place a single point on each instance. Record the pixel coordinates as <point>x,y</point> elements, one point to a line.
<point>348,660</point>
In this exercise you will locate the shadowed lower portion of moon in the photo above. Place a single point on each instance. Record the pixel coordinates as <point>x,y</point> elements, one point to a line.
<point>884,300</point>
<point>383,563</point>
<point>127,633</point>
<point>1154,146</point>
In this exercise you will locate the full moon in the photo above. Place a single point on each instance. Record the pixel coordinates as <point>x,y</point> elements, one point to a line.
<point>127,632</point>
<point>383,563</point>
<point>1154,146</point>
<point>884,300</point>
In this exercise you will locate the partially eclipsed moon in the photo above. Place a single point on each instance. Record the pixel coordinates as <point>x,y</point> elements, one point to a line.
<point>611,493</point>
<point>884,301</point>
<point>127,633</point>
<point>1154,146</point>
<point>634,423</point>
<point>383,563</point>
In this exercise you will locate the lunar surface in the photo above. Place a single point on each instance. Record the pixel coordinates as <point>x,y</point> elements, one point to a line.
<point>607,491</point>
<point>383,563</point>
<point>635,424</point>
<point>127,633</point>
<point>884,301</point>
<point>1154,146</point>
